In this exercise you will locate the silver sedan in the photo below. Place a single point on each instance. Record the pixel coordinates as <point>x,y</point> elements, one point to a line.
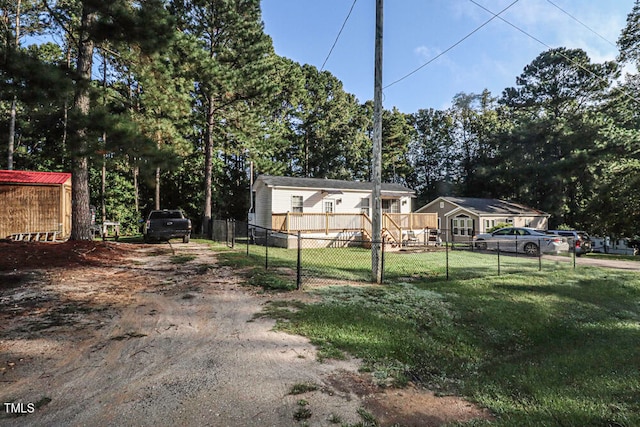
<point>521,240</point>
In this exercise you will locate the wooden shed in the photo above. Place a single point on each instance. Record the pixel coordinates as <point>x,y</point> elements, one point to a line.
<point>35,205</point>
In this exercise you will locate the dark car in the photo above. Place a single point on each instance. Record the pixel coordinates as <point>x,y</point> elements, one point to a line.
<point>167,224</point>
<point>579,241</point>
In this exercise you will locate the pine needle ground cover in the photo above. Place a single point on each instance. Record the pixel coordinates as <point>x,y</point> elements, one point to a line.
<point>543,348</point>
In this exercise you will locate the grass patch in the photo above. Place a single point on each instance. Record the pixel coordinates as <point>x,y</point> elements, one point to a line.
<point>553,348</point>
<point>270,281</point>
<point>303,412</point>
<point>182,259</point>
<point>302,388</point>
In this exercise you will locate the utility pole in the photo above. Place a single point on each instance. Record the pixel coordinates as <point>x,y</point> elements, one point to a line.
<point>376,216</point>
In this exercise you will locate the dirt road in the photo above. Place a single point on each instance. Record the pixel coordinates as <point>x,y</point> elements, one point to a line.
<point>159,335</point>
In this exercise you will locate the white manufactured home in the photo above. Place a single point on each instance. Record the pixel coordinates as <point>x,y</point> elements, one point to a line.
<point>332,208</point>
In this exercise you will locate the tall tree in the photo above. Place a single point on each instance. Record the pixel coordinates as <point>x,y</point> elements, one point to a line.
<point>322,126</point>
<point>397,133</point>
<point>232,63</point>
<point>18,19</point>
<point>629,40</point>
<point>433,155</point>
<point>141,23</point>
<point>554,132</point>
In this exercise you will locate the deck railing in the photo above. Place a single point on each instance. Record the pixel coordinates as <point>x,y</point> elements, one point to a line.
<point>394,224</point>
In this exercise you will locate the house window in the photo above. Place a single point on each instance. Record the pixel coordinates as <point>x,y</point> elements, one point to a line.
<point>390,206</point>
<point>296,204</point>
<point>364,206</point>
<point>328,206</point>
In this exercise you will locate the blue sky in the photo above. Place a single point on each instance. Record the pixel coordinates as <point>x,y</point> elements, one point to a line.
<point>415,31</point>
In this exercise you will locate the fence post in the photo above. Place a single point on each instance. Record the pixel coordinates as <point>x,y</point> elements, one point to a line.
<point>233,234</point>
<point>573,244</point>
<point>299,263</point>
<point>446,251</point>
<point>539,254</point>
<point>248,238</point>
<point>382,262</point>
<point>498,245</point>
<point>266,249</point>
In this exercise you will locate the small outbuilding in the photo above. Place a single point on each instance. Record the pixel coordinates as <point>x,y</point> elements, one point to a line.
<point>36,205</point>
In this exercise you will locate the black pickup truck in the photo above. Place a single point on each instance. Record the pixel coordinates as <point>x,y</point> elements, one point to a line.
<point>167,224</point>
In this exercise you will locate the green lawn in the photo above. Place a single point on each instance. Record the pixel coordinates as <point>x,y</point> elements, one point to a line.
<point>559,347</point>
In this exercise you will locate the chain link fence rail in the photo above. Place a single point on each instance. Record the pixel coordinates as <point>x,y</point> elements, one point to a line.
<point>427,254</point>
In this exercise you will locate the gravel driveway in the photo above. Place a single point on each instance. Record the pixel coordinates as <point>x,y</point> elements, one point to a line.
<point>157,343</point>
<point>162,335</point>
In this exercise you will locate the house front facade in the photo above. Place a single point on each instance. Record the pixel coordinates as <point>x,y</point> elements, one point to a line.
<point>333,210</point>
<point>464,217</point>
<point>278,195</point>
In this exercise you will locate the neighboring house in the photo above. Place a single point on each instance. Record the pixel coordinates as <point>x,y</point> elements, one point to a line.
<point>462,217</point>
<point>36,205</point>
<point>327,206</point>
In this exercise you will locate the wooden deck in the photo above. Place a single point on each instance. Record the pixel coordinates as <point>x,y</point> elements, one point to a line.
<point>394,226</point>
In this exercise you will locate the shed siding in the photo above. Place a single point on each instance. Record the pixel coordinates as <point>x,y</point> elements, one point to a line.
<point>31,209</point>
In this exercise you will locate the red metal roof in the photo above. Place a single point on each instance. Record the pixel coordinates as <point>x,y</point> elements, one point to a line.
<point>29,177</point>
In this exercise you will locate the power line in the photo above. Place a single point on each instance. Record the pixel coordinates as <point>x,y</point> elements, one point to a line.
<point>338,36</point>
<point>576,64</point>
<point>582,23</point>
<point>451,47</point>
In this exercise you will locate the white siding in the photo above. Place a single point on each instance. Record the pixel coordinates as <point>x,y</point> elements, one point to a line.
<point>347,202</point>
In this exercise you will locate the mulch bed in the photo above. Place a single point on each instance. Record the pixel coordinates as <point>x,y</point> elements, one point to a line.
<point>37,255</point>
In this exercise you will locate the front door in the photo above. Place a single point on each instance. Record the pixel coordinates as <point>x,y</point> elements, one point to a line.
<point>462,226</point>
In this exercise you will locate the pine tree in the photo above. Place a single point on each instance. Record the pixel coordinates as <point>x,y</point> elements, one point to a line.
<point>231,61</point>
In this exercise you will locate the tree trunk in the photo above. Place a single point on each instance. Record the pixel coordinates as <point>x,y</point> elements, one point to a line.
<point>157,206</point>
<point>12,133</point>
<point>103,190</point>
<point>81,214</point>
<point>208,168</point>
<point>136,189</point>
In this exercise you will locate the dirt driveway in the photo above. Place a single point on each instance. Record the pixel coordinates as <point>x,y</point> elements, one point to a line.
<point>586,261</point>
<point>155,335</point>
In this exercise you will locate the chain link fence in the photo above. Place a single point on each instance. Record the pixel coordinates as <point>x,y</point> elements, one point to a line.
<point>316,260</point>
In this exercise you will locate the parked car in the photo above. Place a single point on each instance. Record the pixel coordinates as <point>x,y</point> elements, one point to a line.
<point>521,240</point>
<point>167,224</point>
<point>579,241</point>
